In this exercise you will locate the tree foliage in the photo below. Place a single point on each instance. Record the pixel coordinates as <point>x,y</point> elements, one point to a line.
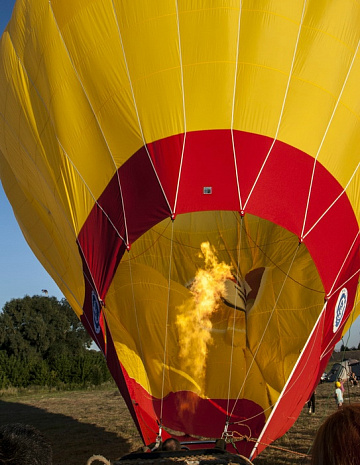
<point>345,348</point>
<point>38,327</point>
<point>42,342</point>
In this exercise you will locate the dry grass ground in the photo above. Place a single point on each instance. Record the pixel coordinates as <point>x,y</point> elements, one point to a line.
<point>82,423</point>
<point>78,424</point>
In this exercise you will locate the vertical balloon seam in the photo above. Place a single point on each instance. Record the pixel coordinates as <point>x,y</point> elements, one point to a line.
<point>184,110</point>
<point>283,103</point>
<point>227,422</point>
<point>325,134</point>
<point>59,142</point>
<point>94,114</point>
<point>233,108</point>
<point>137,112</point>
<point>351,248</point>
<point>332,204</point>
<point>345,282</point>
<point>233,328</point>
<point>166,329</point>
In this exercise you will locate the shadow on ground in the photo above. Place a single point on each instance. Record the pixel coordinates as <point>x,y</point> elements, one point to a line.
<point>73,442</point>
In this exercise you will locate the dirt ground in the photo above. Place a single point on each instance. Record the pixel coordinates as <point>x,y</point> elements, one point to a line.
<point>80,424</point>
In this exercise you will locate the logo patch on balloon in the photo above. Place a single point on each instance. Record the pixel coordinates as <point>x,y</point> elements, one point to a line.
<point>340,308</point>
<point>96,312</point>
<point>236,293</point>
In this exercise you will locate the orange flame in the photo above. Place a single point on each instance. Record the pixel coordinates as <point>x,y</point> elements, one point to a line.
<point>193,319</point>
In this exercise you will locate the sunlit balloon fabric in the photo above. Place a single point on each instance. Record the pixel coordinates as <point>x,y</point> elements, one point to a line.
<point>146,145</point>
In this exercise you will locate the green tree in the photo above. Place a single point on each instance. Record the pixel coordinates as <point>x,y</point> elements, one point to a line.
<point>38,328</point>
<point>43,343</point>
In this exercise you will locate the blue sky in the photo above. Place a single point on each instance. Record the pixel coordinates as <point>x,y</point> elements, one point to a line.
<point>20,272</point>
<point>6,7</point>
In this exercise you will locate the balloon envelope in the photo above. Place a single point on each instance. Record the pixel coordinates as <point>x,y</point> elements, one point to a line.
<point>188,173</point>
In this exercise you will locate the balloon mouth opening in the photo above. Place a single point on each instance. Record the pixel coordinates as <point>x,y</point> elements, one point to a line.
<point>238,285</point>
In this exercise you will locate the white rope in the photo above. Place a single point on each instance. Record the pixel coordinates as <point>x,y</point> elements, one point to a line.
<point>136,108</point>
<point>265,330</point>
<point>329,348</point>
<point>344,282</point>
<point>233,107</point>
<point>332,204</point>
<point>62,148</point>
<point>233,328</point>
<point>343,264</point>
<point>316,329</point>
<point>325,134</point>
<point>184,109</point>
<point>14,135</point>
<point>166,327</point>
<point>97,122</point>
<point>283,394</point>
<point>283,104</point>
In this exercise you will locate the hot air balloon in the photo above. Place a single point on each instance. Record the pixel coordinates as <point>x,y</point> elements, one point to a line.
<point>188,174</point>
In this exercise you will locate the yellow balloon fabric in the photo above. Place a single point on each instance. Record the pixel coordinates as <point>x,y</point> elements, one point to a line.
<point>188,173</point>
